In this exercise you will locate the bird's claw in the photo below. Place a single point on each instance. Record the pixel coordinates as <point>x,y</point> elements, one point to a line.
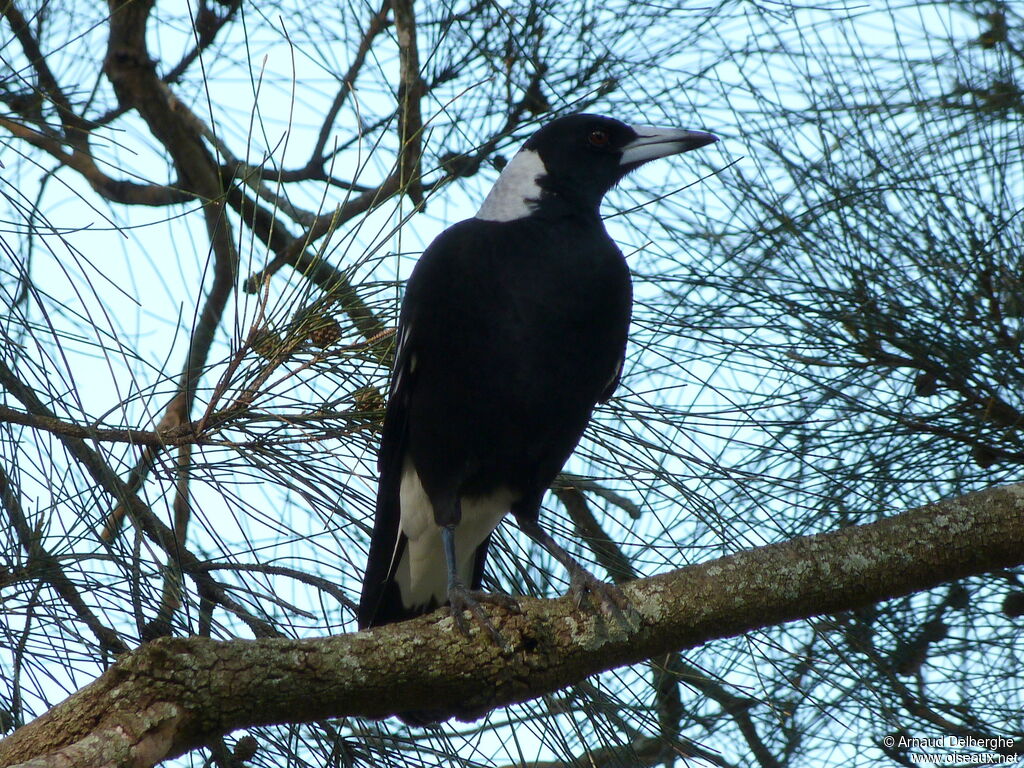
<point>607,598</point>
<point>461,600</point>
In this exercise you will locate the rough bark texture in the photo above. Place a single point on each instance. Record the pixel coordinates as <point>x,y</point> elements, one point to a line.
<point>174,694</point>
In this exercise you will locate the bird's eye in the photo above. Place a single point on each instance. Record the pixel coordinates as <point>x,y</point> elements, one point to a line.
<point>599,138</point>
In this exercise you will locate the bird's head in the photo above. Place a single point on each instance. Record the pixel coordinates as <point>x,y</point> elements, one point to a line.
<point>574,160</point>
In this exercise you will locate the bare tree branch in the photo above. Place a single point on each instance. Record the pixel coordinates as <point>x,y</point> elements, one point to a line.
<point>137,510</point>
<point>114,190</point>
<point>47,566</point>
<point>71,122</point>
<point>376,25</point>
<point>410,90</point>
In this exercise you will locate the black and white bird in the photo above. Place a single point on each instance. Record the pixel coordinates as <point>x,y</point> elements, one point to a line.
<point>513,328</point>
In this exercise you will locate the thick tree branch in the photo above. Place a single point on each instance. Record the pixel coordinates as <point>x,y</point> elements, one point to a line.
<point>133,75</point>
<point>189,690</point>
<point>132,72</point>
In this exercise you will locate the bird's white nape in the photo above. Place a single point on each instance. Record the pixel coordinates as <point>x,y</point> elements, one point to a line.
<point>517,191</point>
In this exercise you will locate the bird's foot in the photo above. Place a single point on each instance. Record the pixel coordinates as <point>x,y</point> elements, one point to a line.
<point>608,598</point>
<point>462,600</point>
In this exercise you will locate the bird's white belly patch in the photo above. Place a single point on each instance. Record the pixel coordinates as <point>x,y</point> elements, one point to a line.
<point>422,572</point>
<point>516,192</point>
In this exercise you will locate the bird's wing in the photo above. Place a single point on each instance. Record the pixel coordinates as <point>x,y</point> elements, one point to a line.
<point>613,382</point>
<point>387,542</point>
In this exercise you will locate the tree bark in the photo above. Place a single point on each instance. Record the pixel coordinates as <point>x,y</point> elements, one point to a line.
<point>176,694</point>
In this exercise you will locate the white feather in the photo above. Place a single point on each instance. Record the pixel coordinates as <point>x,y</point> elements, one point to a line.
<point>403,337</point>
<point>422,572</point>
<point>516,192</point>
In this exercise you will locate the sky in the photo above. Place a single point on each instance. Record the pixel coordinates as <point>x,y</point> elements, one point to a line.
<point>131,274</point>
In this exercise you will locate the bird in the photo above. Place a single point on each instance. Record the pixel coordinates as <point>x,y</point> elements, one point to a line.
<point>513,328</point>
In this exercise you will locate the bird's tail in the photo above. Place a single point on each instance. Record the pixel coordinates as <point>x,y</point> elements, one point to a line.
<point>381,598</point>
<point>407,577</point>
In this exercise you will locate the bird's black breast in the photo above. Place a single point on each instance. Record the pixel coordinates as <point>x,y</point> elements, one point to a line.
<point>514,331</point>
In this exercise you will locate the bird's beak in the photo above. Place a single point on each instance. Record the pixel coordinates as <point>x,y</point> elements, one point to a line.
<point>652,143</point>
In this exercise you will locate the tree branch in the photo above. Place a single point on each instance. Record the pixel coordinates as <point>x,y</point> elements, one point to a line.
<point>292,250</point>
<point>377,23</point>
<point>48,567</point>
<point>70,120</point>
<point>669,670</point>
<point>196,688</point>
<point>80,160</point>
<point>410,90</point>
<point>139,512</point>
<point>70,429</point>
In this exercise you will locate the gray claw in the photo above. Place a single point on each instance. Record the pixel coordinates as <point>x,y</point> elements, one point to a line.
<point>606,597</point>
<point>461,599</point>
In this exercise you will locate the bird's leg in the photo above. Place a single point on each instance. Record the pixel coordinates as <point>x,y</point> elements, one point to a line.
<point>608,597</point>
<point>462,599</point>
